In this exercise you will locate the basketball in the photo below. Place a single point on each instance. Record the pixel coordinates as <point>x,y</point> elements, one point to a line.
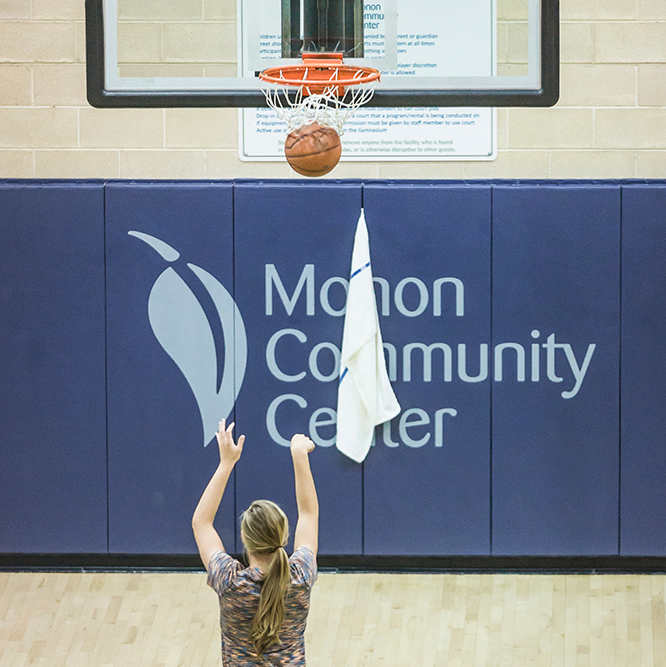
<point>313,150</point>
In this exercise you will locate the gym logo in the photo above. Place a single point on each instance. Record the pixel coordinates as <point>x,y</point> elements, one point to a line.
<point>198,324</point>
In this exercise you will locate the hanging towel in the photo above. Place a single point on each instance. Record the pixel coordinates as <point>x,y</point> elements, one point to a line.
<point>365,395</point>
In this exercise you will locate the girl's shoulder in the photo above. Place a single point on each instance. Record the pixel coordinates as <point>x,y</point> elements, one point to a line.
<point>303,566</point>
<point>224,571</point>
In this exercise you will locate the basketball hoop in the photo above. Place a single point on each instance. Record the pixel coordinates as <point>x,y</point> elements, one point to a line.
<point>321,89</point>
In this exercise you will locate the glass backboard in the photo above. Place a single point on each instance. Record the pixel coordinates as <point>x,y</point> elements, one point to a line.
<point>196,53</point>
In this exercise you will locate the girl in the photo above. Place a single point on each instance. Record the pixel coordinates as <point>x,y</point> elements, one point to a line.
<point>264,607</point>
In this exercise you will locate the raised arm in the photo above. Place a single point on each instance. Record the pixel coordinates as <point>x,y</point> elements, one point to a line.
<point>307,527</point>
<point>207,538</point>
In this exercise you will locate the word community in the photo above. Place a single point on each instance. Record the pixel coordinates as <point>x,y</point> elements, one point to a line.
<point>542,358</point>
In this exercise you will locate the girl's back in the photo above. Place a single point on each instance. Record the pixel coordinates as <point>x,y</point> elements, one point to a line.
<point>239,590</point>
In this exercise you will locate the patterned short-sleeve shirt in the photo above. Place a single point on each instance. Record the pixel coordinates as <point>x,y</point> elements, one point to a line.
<point>239,590</point>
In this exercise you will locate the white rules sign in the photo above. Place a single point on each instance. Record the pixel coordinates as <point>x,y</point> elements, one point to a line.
<point>435,38</point>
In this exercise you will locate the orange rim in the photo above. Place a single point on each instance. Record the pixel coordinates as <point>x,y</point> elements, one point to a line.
<point>319,72</point>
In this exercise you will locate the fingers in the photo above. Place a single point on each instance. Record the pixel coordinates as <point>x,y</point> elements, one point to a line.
<point>225,437</point>
<point>223,429</point>
<point>300,440</point>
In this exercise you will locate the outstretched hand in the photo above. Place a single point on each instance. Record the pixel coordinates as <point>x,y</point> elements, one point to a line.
<point>301,442</point>
<point>207,538</point>
<point>230,451</point>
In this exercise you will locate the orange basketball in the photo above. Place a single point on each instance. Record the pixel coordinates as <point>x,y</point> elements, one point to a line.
<point>313,150</point>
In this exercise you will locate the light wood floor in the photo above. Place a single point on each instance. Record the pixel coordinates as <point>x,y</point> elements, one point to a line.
<point>170,619</point>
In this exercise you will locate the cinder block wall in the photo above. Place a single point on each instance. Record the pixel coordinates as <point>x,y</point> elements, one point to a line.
<point>610,121</point>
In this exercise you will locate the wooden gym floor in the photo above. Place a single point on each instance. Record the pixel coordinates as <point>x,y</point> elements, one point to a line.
<point>170,619</point>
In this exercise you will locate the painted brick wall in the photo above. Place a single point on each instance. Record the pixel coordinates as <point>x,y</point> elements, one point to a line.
<point>609,123</point>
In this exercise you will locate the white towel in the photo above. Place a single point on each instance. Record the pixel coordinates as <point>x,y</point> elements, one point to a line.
<point>365,395</point>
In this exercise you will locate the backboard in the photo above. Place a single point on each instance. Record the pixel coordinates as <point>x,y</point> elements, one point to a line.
<point>208,53</point>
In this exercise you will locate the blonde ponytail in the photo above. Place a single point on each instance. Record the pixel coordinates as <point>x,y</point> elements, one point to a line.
<point>265,628</point>
<point>265,530</point>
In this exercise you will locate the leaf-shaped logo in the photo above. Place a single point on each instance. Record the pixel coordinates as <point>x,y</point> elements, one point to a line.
<point>184,331</point>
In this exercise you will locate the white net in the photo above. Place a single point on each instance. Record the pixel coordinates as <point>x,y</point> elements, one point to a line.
<point>327,108</point>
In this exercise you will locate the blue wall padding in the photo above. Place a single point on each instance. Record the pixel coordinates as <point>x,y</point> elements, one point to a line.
<point>158,465</point>
<point>52,393</point>
<point>643,490</point>
<point>120,351</point>
<point>427,487</point>
<point>295,228</point>
<point>556,270</point>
